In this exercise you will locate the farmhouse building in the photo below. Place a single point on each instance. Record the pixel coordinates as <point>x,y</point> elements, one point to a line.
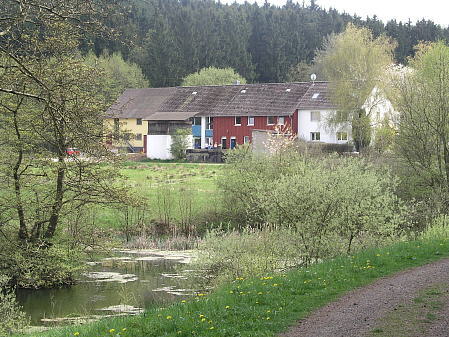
<point>227,116</point>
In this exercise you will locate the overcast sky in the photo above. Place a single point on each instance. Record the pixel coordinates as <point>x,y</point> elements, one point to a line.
<point>401,10</point>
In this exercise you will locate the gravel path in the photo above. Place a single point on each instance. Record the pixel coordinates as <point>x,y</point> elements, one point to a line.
<point>355,314</point>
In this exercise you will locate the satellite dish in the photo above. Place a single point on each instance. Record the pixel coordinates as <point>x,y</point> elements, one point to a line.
<point>313,77</point>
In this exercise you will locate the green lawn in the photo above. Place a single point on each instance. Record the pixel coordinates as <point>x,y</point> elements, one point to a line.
<point>176,190</point>
<point>267,305</point>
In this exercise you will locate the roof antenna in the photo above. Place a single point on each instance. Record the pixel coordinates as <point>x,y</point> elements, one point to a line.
<point>313,78</point>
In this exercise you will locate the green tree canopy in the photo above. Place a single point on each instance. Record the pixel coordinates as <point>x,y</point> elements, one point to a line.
<point>422,97</point>
<point>354,62</point>
<point>213,76</point>
<point>118,74</point>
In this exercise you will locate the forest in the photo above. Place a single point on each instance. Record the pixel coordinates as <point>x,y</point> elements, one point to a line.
<point>170,39</point>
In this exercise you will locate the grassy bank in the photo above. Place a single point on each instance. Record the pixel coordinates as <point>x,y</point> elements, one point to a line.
<point>173,190</point>
<point>265,306</point>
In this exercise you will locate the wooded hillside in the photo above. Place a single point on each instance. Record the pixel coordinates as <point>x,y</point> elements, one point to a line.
<point>170,39</point>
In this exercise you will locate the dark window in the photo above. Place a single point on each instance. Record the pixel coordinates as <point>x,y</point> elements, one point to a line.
<point>250,120</point>
<point>233,143</point>
<point>197,143</point>
<point>197,121</point>
<point>271,120</point>
<point>138,136</point>
<point>238,121</point>
<point>139,121</point>
<point>209,123</point>
<point>315,136</point>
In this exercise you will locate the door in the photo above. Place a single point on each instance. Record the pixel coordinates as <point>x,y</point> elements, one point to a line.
<point>233,143</point>
<point>223,143</point>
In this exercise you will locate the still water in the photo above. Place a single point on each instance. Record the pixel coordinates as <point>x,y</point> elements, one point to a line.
<point>128,282</point>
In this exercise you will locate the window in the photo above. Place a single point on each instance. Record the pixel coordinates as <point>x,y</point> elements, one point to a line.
<point>281,120</point>
<point>246,140</point>
<point>315,116</point>
<point>271,120</point>
<point>342,116</point>
<point>250,121</point>
<point>314,136</point>
<point>139,121</point>
<point>238,121</point>
<point>342,136</point>
<point>209,123</point>
<point>197,143</point>
<point>138,136</point>
<point>196,120</point>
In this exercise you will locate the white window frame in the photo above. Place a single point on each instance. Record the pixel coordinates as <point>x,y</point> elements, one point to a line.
<point>313,135</point>
<point>268,120</point>
<point>235,121</point>
<point>246,140</point>
<point>315,112</point>
<point>251,124</point>
<point>279,120</point>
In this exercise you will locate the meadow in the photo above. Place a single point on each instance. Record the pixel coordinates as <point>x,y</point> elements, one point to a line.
<point>170,193</point>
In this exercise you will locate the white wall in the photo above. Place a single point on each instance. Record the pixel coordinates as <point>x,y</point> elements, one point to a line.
<point>327,134</point>
<point>158,146</point>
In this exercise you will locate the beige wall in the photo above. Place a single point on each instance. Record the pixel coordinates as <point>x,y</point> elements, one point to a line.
<point>129,125</point>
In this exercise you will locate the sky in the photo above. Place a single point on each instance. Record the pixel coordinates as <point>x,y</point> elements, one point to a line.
<point>401,10</point>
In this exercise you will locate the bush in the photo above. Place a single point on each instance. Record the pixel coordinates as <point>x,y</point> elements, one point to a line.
<point>180,143</point>
<point>320,207</point>
<point>438,229</point>
<point>38,266</point>
<point>12,318</point>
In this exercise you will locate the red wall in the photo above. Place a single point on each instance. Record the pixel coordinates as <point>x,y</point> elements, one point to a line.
<point>224,127</point>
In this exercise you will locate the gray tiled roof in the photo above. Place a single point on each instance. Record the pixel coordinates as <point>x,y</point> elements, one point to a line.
<point>139,103</point>
<point>316,97</point>
<point>265,99</point>
<point>236,100</point>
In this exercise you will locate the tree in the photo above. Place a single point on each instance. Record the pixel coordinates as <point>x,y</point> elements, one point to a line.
<point>422,97</point>
<point>118,74</point>
<point>213,76</point>
<point>49,100</point>
<point>354,62</point>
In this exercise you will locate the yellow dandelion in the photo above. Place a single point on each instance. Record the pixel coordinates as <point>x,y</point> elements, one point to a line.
<point>201,316</point>
<point>124,329</point>
<point>212,328</point>
<point>183,301</point>
<point>76,333</point>
<point>169,317</point>
<point>203,320</point>
<point>227,307</point>
<point>111,330</point>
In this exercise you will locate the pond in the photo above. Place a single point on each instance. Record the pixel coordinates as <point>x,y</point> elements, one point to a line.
<point>126,283</point>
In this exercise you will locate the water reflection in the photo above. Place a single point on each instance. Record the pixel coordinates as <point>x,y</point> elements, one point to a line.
<point>131,280</point>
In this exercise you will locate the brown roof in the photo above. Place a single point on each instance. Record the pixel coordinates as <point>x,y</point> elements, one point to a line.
<point>316,97</point>
<point>139,103</point>
<point>234,100</point>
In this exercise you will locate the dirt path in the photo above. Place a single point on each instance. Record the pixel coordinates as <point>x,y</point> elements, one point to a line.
<point>361,312</point>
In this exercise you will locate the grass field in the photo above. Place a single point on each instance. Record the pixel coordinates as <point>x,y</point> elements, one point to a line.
<point>174,189</point>
<point>265,306</point>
